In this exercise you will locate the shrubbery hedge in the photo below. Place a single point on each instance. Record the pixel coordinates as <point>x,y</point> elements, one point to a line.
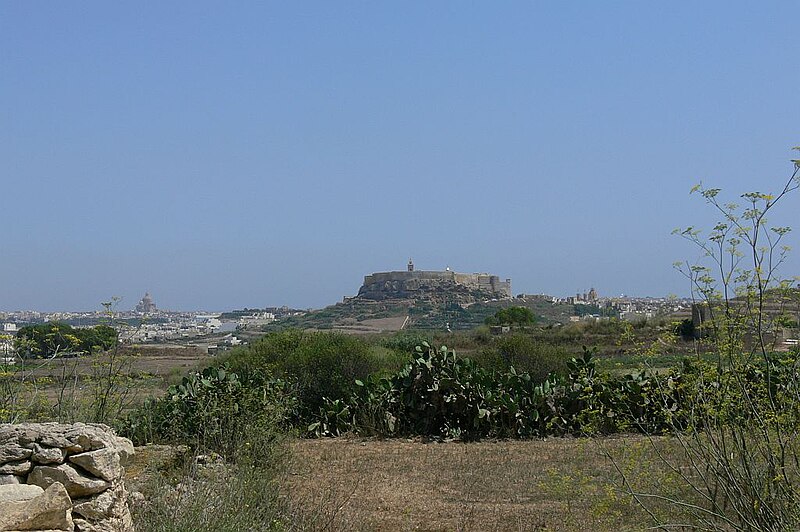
<point>329,383</point>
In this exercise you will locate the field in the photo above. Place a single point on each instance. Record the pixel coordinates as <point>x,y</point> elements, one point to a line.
<point>154,361</point>
<point>553,484</point>
<point>371,326</point>
<point>165,362</point>
<point>357,483</point>
<point>148,370</point>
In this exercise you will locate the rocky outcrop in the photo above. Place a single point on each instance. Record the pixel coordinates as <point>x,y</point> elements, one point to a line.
<point>63,477</point>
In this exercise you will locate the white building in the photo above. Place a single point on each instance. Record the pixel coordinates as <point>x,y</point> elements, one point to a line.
<point>6,346</point>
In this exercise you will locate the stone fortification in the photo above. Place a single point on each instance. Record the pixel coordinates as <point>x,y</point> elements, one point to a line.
<point>63,477</point>
<point>433,285</point>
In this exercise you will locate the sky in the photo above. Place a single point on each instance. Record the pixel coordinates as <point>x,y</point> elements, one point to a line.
<point>224,155</point>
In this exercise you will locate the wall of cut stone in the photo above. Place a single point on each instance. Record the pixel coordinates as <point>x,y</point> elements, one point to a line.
<point>63,477</point>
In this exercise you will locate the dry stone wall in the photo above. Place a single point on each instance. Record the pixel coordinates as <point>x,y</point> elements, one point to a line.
<point>63,477</point>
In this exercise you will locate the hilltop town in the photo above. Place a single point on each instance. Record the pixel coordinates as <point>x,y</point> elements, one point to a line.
<point>386,301</point>
<point>433,286</point>
<point>450,300</point>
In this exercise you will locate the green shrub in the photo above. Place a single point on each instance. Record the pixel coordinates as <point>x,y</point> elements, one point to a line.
<point>264,356</point>
<point>240,493</point>
<point>317,365</point>
<point>404,341</point>
<point>442,395</point>
<point>512,316</point>
<point>213,410</point>
<point>46,339</point>
<point>525,355</point>
<point>685,329</point>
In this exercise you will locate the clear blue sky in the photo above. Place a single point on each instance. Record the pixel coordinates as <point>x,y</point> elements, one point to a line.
<point>233,154</point>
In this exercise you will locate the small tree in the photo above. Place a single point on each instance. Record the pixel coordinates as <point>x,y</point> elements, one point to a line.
<point>741,434</point>
<point>512,316</point>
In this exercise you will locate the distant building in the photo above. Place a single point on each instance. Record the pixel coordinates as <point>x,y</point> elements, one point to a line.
<point>6,348</point>
<point>413,283</point>
<point>584,298</point>
<point>146,305</point>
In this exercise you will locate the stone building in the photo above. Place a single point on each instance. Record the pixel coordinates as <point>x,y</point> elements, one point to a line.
<point>414,284</point>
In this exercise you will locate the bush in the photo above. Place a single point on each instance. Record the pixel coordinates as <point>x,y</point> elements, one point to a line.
<point>239,490</point>
<point>442,395</point>
<point>404,342</point>
<point>685,329</point>
<point>439,394</point>
<point>327,365</point>
<point>213,410</point>
<point>526,355</point>
<point>316,365</point>
<point>46,339</point>
<point>512,316</point>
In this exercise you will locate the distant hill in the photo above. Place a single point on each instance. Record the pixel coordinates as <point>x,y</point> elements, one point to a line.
<point>358,315</point>
<point>434,286</point>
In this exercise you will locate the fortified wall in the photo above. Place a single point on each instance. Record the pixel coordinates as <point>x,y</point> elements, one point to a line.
<point>413,284</point>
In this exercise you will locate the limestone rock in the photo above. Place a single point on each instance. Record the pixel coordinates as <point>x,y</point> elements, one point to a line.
<point>77,485</point>
<point>48,434</point>
<point>74,438</point>
<point>47,455</point>
<point>136,498</point>
<point>103,463</point>
<point>19,492</point>
<point>98,436</point>
<point>81,462</point>
<point>106,512</point>
<point>110,503</point>
<point>50,510</point>
<point>97,508</point>
<point>51,439</point>
<point>21,467</point>
<point>23,434</point>
<point>13,452</point>
<point>125,449</point>
<point>82,525</point>
<point>121,524</point>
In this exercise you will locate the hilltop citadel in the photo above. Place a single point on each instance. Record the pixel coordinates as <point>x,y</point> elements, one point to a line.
<point>415,284</point>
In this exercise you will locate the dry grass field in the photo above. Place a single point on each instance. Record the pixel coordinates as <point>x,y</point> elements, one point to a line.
<point>149,370</point>
<point>554,484</point>
<point>156,361</point>
<point>372,326</point>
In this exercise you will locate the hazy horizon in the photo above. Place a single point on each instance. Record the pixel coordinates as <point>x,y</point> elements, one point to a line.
<point>225,156</point>
<point>125,304</point>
